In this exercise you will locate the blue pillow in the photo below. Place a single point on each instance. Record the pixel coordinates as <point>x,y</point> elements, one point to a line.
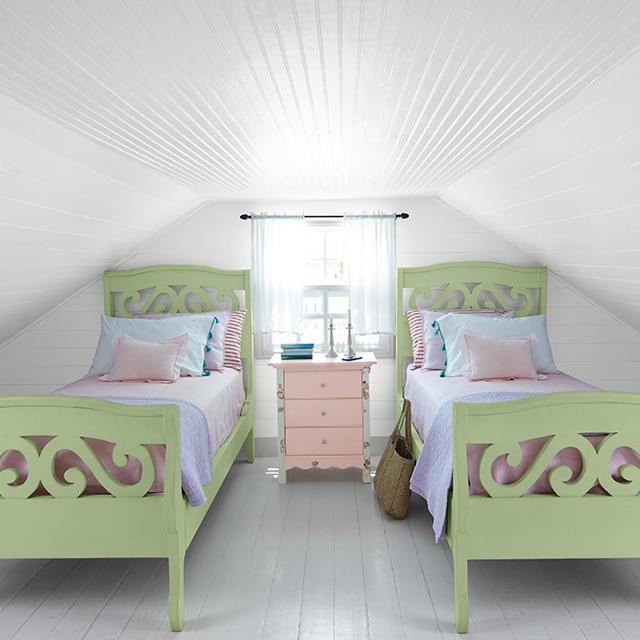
<point>451,327</point>
<point>197,327</point>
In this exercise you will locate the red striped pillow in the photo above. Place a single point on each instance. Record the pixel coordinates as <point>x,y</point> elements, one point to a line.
<point>233,339</point>
<point>416,330</point>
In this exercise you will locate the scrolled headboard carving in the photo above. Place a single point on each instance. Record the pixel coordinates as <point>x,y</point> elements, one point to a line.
<point>173,299</point>
<point>477,295</point>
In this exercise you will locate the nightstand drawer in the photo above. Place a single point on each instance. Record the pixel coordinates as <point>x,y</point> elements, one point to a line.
<point>345,412</point>
<point>310,441</point>
<point>323,384</point>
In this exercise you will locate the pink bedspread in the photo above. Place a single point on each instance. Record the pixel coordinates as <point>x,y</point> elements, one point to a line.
<point>219,396</point>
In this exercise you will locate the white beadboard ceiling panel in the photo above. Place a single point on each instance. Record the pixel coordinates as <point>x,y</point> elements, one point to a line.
<point>567,193</point>
<point>263,100</point>
<point>308,98</point>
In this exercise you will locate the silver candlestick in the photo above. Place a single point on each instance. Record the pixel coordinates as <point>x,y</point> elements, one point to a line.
<point>350,353</point>
<point>332,352</point>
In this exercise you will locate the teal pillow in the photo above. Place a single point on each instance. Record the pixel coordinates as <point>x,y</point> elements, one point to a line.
<point>451,327</point>
<point>197,328</point>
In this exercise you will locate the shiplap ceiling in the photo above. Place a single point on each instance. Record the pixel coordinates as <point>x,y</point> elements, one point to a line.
<point>307,98</point>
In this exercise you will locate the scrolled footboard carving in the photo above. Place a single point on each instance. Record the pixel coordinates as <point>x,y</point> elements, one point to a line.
<point>26,466</point>
<point>574,464</point>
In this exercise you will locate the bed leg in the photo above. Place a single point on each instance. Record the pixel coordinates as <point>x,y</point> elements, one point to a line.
<point>461,592</point>
<point>251,446</point>
<point>176,591</point>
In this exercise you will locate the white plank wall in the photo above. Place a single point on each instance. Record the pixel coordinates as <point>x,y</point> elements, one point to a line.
<point>69,209</point>
<point>588,343</point>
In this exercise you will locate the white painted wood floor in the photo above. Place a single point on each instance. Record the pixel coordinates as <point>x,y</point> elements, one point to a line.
<point>316,559</point>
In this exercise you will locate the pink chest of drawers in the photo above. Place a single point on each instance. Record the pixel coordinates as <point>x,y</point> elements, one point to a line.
<point>323,413</point>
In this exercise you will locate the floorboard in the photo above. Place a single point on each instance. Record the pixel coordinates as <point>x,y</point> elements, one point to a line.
<point>316,559</point>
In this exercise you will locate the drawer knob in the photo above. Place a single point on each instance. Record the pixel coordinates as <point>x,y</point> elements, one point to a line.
<point>324,442</point>
<point>323,413</point>
<point>323,385</point>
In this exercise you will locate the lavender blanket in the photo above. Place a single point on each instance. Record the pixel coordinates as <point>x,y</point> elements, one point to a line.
<point>195,443</point>
<point>433,472</point>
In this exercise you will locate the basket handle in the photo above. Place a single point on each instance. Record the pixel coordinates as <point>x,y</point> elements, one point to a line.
<point>405,415</point>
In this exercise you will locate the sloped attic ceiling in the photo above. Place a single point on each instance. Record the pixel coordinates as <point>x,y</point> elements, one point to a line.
<point>303,99</point>
<point>307,98</point>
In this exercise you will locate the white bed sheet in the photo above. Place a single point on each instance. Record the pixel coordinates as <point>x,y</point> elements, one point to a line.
<point>219,396</point>
<point>428,390</point>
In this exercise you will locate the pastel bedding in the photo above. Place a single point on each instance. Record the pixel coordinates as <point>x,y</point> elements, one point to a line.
<point>432,397</point>
<point>428,390</point>
<point>209,407</point>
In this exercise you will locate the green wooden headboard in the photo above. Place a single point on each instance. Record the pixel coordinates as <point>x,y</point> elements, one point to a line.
<point>180,288</point>
<point>463,285</point>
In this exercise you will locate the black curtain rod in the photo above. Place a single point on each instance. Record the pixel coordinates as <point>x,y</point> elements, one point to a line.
<point>247,216</point>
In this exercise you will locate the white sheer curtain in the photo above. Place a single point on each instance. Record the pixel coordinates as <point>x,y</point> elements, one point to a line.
<point>277,266</point>
<point>371,252</point>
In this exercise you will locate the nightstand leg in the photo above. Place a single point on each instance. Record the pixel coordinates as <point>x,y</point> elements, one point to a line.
<point>282,466</point>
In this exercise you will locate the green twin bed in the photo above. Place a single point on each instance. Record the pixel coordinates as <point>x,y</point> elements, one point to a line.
<point>125,521</point>
<point>507,522</point>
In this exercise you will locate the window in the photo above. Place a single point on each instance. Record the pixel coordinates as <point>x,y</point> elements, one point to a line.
<point>325,292</point>
<point>320,250</point>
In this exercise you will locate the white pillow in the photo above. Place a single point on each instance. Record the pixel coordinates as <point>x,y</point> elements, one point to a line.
<point>140,361</point>
<point>195,326</point>
<point>452,326</point>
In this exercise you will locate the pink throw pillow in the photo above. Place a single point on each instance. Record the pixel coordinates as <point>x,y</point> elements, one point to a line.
<point>500,358</point>
<point>137,360</point>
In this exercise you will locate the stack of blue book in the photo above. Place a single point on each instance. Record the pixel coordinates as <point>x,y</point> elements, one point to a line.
<point>297,351</point>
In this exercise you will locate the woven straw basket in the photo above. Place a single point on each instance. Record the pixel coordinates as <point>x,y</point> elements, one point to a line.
<point>394,470</point>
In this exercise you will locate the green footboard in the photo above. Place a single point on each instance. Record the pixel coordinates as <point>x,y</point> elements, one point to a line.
<point>124,522</point>
<point>571,523</point>
<point>67,524</point>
